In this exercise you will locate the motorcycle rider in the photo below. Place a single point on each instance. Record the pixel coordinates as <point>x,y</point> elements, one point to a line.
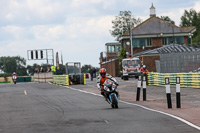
<point>101,80</point>
<point>144,72</point>
<point>14,74</point>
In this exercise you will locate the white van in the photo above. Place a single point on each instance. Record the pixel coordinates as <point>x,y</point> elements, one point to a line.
<point>130,66</point>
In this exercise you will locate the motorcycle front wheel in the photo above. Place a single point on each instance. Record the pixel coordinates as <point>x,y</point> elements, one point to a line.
<point>114,102</point>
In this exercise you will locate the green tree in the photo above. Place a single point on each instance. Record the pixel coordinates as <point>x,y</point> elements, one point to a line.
<point>86,68</point>
<point>62,70</point>
<point>122,23</point>
<point>13,64</point>
<point>31,69</point>
<point>166,18</point>
<point>192,18</point>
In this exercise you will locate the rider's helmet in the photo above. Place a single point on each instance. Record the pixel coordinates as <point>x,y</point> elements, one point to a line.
<point>144,66</point>
<point>14,73</point>
<point>103,72</point>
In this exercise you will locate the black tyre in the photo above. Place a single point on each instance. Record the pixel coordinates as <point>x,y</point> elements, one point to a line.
<point>125,77</point>
<point>114,102</point>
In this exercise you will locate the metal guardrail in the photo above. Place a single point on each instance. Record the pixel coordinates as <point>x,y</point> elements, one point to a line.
<point>186,79</point>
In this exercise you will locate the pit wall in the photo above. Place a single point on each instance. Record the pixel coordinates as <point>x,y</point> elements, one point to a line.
<point>190,80</point>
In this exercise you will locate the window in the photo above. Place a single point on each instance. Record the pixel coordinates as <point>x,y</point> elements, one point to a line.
<point>111,49</point>
<point>164,41</point>
<point>148,42</point>
<point>118,48</point>
<point>138,42</point>
<point>180,40</point>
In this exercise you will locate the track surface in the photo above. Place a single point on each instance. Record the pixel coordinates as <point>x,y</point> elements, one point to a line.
<point>46,108</point>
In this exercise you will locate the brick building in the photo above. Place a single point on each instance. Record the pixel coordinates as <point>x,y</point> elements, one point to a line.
<point>151,34</point>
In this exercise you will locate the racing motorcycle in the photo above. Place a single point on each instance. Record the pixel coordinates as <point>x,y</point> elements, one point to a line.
<point>110,92</point>
<point>14,78</point>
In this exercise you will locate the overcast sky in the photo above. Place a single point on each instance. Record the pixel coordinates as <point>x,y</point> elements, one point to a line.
<point>78,28</point>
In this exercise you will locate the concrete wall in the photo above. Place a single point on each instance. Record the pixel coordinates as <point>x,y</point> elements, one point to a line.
<point>43,77</point>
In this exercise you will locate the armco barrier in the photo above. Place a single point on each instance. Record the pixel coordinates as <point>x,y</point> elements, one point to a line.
<point>61,79</point>
<point>191,80</point>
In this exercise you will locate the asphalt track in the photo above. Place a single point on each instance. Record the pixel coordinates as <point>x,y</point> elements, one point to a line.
<point>47,108</point>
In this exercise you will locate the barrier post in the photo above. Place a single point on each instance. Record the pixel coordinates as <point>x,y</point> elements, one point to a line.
<point>138,89</point>
<point>144,88</point>
<point>178,93</point>
<point>168,93</point>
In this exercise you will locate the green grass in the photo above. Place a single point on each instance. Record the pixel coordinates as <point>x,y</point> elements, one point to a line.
<point>4,82</point>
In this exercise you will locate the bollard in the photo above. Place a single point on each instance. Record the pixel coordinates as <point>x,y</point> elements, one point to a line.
<point>138,89</point>
<point>144,88</point>
<point>168,93</point>
<point>178,93</point>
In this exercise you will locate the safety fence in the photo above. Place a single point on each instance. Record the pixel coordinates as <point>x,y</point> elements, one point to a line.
<point>61,79</point>
<point>68,80</point>
<point>186,79</point>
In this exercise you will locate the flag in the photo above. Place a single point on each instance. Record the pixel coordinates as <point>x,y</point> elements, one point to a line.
<point>61,58</point>
<point>57,61</point>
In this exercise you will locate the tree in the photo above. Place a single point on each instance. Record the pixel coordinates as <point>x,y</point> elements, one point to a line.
<point>31,69</point>
<point>86,68</point>
<point>123,22</point>
<point>166,18</point>
<point>13,64</point>
<point>192,18</point>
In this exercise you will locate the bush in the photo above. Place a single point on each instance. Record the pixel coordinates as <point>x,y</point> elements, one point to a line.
<point>5,77</point>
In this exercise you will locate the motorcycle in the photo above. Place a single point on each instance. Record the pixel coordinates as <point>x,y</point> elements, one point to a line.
<point>110,92</point>
<point>14,78</point>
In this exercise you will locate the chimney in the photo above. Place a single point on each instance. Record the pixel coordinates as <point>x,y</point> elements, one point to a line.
<point>152,11</point>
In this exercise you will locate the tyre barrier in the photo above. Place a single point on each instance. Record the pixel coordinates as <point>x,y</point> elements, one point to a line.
<point>191,80</point>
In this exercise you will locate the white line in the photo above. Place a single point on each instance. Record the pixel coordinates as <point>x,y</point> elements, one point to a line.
<point>25,92</point>
<point>106,121</point>
<point>173,116</point>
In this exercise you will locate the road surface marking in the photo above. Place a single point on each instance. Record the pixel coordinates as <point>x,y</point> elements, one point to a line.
<point>173,116</point>
<point>25,92</point>
<point>106,121</point>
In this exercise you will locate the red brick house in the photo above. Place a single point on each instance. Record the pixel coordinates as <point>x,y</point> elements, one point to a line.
<point>154,33</point>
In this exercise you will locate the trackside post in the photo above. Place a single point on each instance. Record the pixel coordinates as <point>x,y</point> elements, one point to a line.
<point>144,88</point>
<point>178,93</point>
<point>138,89</point>
<point>168,93</point>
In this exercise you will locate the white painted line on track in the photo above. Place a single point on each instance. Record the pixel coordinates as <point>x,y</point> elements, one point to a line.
<point>25,92</point>
<point>173,116</point>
